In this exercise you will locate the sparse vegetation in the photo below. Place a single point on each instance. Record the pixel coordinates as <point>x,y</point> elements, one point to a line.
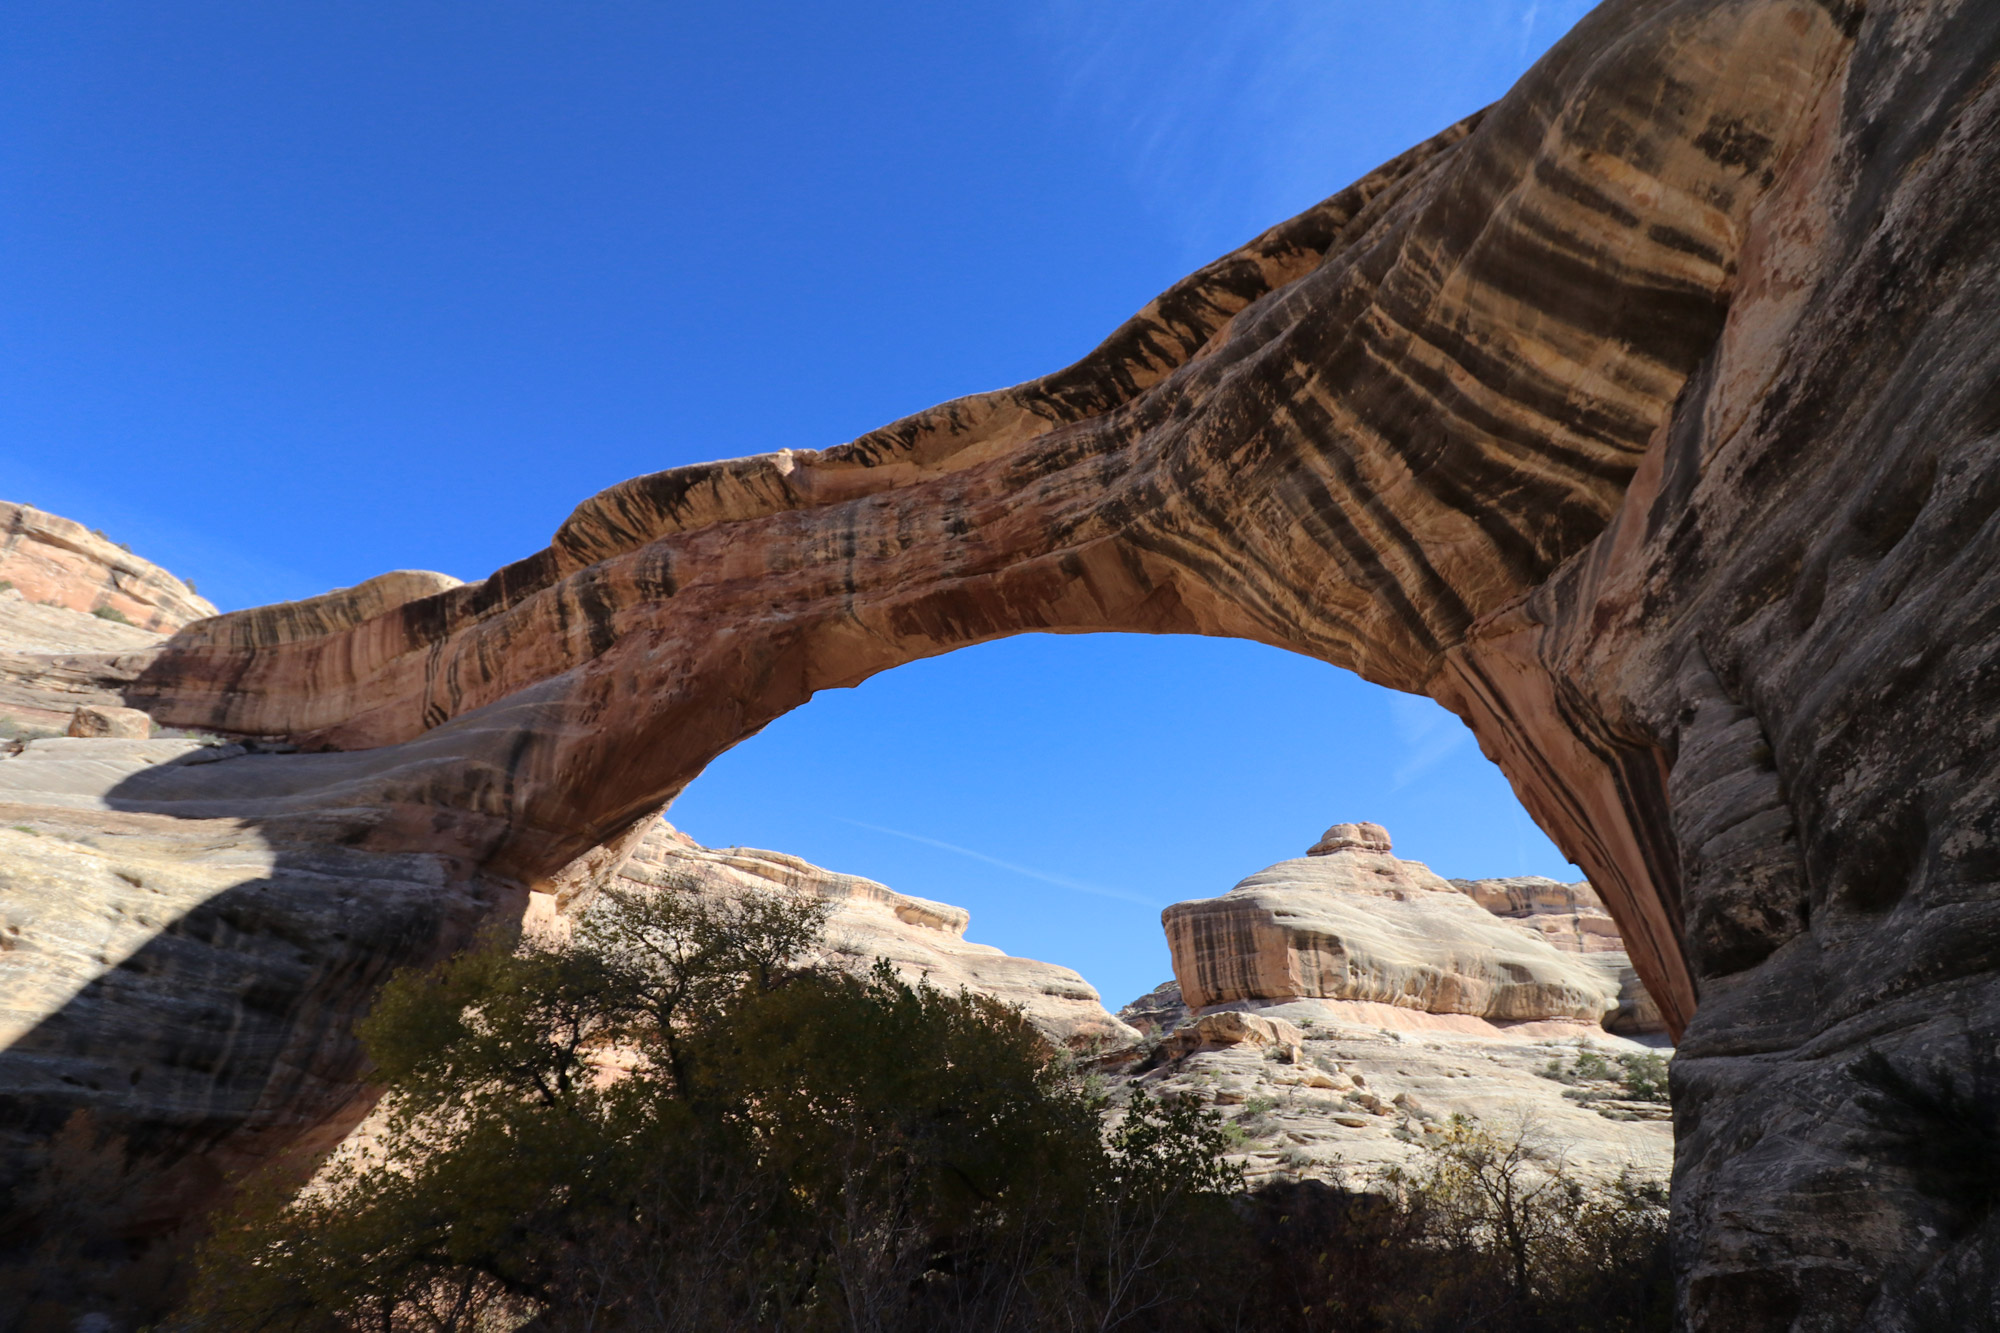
<point>112,614</point>
<point>1637,1076</point>
<point>1645,1076</point>
<point>674,1122</point>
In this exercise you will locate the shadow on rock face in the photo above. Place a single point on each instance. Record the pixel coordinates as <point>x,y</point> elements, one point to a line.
<point>185,957</point>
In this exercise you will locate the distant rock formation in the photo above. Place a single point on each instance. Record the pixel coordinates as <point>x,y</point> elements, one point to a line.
<point>1157,1012</point>
<point>1644,419</point>
<point>1351,921</point>
<point>1572,918</point>
<point>921,939</point>
<point>1339,1007</point>
<point>52,561</point>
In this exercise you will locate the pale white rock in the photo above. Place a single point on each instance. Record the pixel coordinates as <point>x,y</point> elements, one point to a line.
<point>1572,918</point>
<point>31,627</point>
<point>1362,837</point>
<point>1355,922</point>
<point>1232,1028</point>
<point>920,938</point>
<point>1362,1098</point>
<point>1416,999</point>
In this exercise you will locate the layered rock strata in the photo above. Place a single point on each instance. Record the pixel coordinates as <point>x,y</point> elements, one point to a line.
<point>1340,1007</point>
<point>53,561</point>
<point>1572,918</point>
<point>1351,921</point>
<point>1644,419</point>
<point>52,660</point>
<point>922,940</point>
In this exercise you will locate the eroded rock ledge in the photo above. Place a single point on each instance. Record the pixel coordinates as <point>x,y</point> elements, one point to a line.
<point>921,939</point>
<point>1351,921</point>
<point>1340,1007</point>
<point>1646,420</point>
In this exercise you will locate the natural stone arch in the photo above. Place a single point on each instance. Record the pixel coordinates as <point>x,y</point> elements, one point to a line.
<point>1360,437</point>
<point>1645,420</point>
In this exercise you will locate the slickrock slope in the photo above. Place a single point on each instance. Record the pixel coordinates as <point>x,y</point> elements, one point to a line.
<point>1366,1088</point>
<point>922,939</point>
<point>188,978</point>
<point>56,562</point>
<point>1572,918</point>
<point>1350,921</point>
<point>1340,1007</point>
<point>1645,419</point>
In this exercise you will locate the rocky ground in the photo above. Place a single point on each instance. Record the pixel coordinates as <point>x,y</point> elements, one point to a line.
<point>1347,1004</point>
<point>1362,1090</point>
<point>1315,1086</point>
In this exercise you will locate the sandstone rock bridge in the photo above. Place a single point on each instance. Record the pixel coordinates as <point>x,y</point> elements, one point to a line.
<point>1649,420</point>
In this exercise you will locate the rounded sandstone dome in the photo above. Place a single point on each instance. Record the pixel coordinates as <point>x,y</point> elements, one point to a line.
<point>1351,838</point>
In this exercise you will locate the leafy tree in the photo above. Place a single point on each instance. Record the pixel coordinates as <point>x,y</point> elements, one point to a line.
<point>673,1121</point>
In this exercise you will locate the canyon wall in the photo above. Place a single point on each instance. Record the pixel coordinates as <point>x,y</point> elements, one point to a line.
<point>1647,419</point>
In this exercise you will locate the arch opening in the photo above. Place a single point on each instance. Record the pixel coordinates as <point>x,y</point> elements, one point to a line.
<point>1065,789</point>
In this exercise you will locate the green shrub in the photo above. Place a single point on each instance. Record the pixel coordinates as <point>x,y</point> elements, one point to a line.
<point>112,614</point>
<point>1645,1076</point>
<point>670,1122</point>
<point>673,1122</point>
<point>1637,1075</point>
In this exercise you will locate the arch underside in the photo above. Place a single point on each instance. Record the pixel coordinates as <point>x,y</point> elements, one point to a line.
<point>1644,420</point>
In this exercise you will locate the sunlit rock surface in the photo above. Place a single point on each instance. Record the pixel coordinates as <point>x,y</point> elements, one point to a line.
<point>1352,921</point>
<point>1644,419</point>
<point>53,561</point>
<point>1571,917</point>
<point>1341,1007</point>
<point>1365,1087</point>
<point>921,939</point>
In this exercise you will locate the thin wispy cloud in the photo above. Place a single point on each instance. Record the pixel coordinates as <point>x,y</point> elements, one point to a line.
<point>1428,734</point>
<point>1528,26</point>
<point>1229,118</point>
<point>1060,881</point>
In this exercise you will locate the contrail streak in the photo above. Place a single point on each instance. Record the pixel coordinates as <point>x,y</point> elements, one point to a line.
<point>1076,885</point>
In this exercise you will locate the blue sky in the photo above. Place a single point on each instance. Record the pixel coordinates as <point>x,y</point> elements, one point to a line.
<point>294,294</point>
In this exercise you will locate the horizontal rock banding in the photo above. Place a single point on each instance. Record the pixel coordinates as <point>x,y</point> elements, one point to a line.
<point>1645,421</point>
<point>54,561</point>
<point>1353,922</point>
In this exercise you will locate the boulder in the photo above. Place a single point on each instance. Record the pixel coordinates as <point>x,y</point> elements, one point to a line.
<point>1231,1028</point>
<point>125,724</point>
<point>1363,837</point>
